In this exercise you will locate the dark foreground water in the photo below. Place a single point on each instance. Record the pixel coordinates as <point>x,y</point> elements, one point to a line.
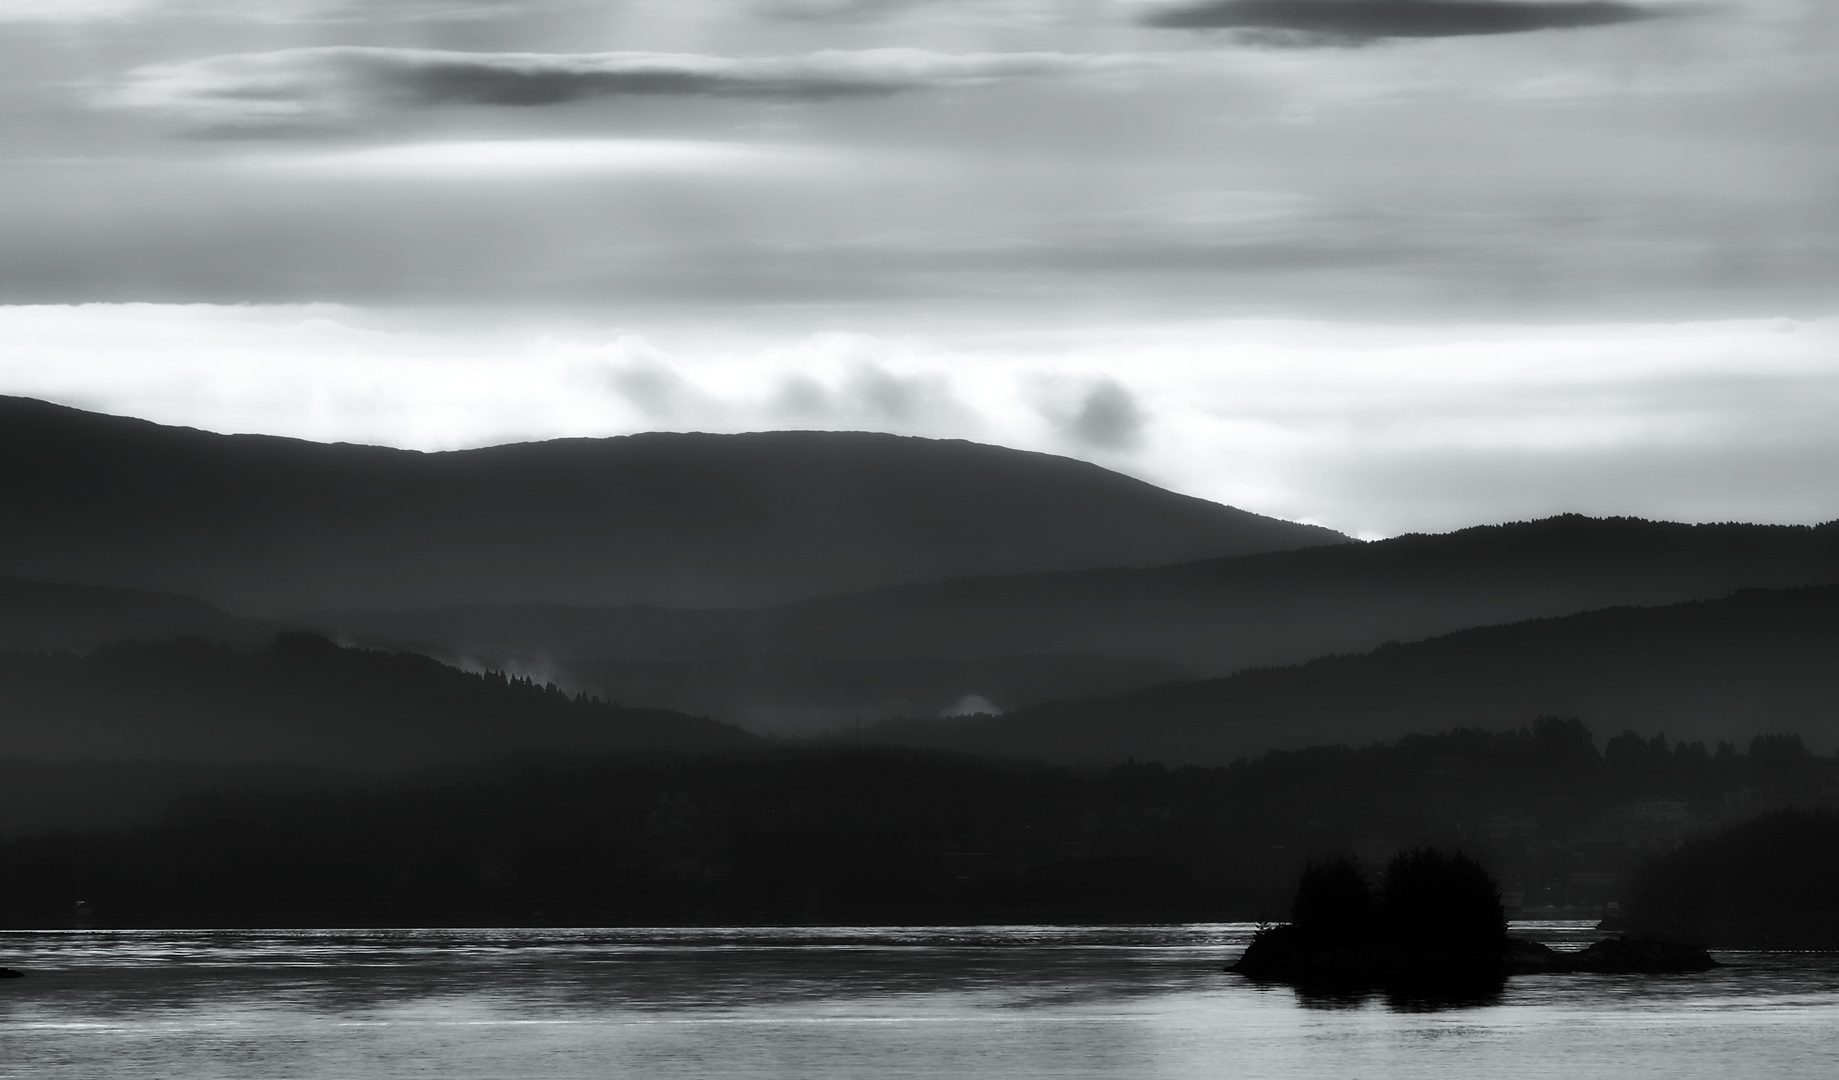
<point>1138,1002</point>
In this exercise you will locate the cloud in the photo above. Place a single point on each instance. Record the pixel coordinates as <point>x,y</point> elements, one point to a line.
<point>894,399</point>
<point>69,11</point>
<point>1007,14</point>
<point>843,380</point>
<point>518,159</point>
<point>972,705</point>
<point>833,10</point>
<point>254,11</point>
<point>1306,21</point>
<point>656,390</point>
<point>317,84</point>
<point>1109,418</point>
<point>1369,428</point>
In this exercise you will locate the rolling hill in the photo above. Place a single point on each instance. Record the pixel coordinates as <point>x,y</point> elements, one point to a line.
<point>306,701</point>
<point>1757,662</point>
<point>53,616</point>
<point>260,525</point>
<point>1213,616</point>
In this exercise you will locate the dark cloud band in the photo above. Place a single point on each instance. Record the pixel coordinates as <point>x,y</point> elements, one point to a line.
<point>304,85</point>
<point>1368,19</point>
<point>451,79</point>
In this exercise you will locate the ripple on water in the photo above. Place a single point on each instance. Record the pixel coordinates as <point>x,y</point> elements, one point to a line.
<point>852,1001</point>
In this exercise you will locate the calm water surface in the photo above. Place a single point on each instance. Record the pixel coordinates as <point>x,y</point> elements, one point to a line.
<point>997,1002</point>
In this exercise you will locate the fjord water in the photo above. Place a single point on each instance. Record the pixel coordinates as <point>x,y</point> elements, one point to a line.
<point>998,1002</point>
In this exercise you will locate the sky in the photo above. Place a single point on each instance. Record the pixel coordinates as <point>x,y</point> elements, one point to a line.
<point>1381,265</point>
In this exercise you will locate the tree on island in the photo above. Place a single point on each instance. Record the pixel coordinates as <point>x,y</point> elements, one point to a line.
<point>1445,902</point>
<point>1334,905</point>
<point>1426,900</point>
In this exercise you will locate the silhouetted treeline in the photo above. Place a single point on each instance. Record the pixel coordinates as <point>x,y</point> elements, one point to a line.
<point>1772,882</point>
<point>91,795</point>
<point>881,835</point>
<point>305,700</point>
<point>767,836</point>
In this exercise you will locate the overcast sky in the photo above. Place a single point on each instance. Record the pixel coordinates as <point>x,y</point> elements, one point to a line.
<point>1385,265</point>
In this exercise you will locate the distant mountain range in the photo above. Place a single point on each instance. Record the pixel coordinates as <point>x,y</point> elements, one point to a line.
<point>1214,616</point>
<point>1012,641</point>
<point>1758,662</point>
<point>786,694</point>
<point>307,701</point>
<point>794,582</point>
<point>263,526</point>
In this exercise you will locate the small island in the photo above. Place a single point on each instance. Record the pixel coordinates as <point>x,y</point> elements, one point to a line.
<point>1433,918</point>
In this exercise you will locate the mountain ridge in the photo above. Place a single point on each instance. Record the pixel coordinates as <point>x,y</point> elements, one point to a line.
<point>1214,616</point>
<point>71,617</point>
<point>262,524</point>
<point>1759,661</point>
<point>306,701</point>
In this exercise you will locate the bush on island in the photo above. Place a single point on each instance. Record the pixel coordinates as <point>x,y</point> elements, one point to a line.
<point>1426,900</point>
<point>1334,904</point>
<point>1448,903</point>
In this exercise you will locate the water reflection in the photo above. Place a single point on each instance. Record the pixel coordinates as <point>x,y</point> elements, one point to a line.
<point>1418,995</point>
<point>1005,1002</point>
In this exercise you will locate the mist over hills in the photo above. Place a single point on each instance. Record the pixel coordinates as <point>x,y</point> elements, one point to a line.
<point>264,525</point>
<point>804,695</point>
<point>785,694</point>
<point>1757,662</point>
<point>993,576</point>
<point>1213,616</point>
<point>307,701</point>
<point>1013,641</point>
<point>56,616</point>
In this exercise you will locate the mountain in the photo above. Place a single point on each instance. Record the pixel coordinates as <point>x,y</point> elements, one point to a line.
<point>307,701</point>
<point>784,694</point>
<point>1213,616</point>
<point>264,525</point>
<point>1757,662</point>
<point>78,618</point>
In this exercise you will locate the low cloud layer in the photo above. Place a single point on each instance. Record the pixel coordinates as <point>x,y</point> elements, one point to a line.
<point>1371,19</point>
<point>1371,429</point>
<point>324,83</point>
